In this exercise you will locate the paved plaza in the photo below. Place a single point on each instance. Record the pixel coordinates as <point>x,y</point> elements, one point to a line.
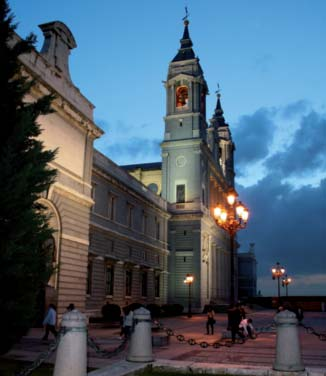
<point>253,354</point>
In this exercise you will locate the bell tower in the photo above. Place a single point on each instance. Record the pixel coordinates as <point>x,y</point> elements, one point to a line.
<point>185,171</point>
<point>185,125</point>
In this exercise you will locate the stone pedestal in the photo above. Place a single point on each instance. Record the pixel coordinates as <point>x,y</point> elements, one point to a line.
<point>71,357</point>
<point>140,349</point>
<point>288,353</point>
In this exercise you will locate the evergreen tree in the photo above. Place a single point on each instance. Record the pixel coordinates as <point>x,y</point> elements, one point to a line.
<point>25,264</point>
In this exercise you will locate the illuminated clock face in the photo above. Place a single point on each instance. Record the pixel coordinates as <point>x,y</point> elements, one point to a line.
<point>180,161</point>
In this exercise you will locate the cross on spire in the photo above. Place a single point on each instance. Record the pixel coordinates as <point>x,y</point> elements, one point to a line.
<point>218,91</point>
<point>185,18</point>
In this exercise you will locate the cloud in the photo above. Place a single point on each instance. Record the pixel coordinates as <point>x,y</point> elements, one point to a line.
<point>135,150</point>
<point>307,151</point>
<point>292,109</point>
<point>253,135</point>
<point>123,144</point>
<point>287,226</point>
<point>263,63</point>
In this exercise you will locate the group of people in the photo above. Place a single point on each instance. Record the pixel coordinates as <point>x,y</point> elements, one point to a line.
<point>238,324</point>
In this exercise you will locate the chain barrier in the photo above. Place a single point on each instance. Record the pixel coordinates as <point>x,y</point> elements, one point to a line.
<point>203,344</point>
<point>266,329</point>
<point>310,330</point>
<point>104,353</point>
<point>44,355</point>
<point>53,346</point>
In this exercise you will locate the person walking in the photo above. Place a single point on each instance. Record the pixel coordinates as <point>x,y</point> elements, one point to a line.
<point>234,319</point>
<point>210,320</point>
<point>128,322</point>
<point>49,322</point>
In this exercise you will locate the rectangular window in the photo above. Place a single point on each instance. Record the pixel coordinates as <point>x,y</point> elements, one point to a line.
<point>111,207</point>
<point>109,279</point>
<point>143,283</point>
<point>157,285</point>
<point>89,277</point>
<point>128,282</point>
<point>181,193</point>
<point>130,212</point>
<point>145,220</point>
<point>157,229</point>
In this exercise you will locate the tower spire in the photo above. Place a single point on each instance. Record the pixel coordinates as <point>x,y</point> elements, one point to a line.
<point>218,117</point>
<point>185,51</point>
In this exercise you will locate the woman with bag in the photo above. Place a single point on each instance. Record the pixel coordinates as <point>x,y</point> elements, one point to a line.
<point>210,320</point>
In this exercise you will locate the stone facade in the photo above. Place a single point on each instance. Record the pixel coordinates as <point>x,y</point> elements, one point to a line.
<point>247,266</point>
<point>132,233</point>
<point>70,127</point>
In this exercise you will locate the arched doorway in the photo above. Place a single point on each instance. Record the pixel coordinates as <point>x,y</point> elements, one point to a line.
<point>49,293</point>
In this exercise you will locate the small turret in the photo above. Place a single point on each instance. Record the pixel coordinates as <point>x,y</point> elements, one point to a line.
<point>57,45</point>
<point>224,144</point>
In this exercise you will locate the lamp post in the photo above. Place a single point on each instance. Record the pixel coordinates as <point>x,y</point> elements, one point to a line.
<point>189,281</point>
<point>232,219</point>
<point>277,272</point>
<point>285,282</point>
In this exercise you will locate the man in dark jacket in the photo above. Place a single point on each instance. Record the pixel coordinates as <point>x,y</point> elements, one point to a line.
<point>234,319</point>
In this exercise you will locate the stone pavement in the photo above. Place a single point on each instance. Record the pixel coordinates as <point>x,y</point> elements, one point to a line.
<point>254,357</point>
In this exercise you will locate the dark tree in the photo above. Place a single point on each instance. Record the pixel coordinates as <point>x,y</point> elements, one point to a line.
<point>25,265</point>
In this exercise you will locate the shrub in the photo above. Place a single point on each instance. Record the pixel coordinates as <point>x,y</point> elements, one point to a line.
<point>111,312</point>
<point>154,309</point>
<point>172,309</point>
<point>132,307</point>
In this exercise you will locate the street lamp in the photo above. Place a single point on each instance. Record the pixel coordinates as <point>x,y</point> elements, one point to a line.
<point>285,282</point>
<point>232,219</point>
<point>277,272</point>
<point>189,281</point>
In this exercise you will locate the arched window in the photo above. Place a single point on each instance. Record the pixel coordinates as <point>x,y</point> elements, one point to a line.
<point>181,97</point>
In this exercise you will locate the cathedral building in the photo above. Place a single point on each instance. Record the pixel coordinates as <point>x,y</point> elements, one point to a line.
<point>132,233</point>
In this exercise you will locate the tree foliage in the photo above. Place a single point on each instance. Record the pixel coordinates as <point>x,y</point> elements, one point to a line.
<point>25,265</point>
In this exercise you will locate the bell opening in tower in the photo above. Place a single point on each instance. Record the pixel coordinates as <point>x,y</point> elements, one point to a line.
<point>182,97</point>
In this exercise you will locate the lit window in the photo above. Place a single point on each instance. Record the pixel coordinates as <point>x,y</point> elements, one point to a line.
<point>182,97</point>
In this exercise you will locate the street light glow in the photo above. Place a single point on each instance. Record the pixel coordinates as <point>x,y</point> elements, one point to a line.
<point>232,219</point>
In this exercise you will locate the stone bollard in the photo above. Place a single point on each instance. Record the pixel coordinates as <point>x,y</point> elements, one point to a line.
<point>288,353</point>
<point>140,348</point>
<point>71,357</point>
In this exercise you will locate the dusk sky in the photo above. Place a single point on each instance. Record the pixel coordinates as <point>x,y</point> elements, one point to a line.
<point>269,59</point>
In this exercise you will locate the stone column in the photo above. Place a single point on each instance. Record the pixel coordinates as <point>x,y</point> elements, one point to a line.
<point>71,357</point>
<point>140,349</point>
<point>288,353</point>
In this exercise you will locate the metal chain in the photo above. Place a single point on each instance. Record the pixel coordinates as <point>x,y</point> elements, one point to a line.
<point>203,344</point>
<point>266,329</point>
<point>104,353</point>
<point>44,355</point>
<point>310,330</point>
